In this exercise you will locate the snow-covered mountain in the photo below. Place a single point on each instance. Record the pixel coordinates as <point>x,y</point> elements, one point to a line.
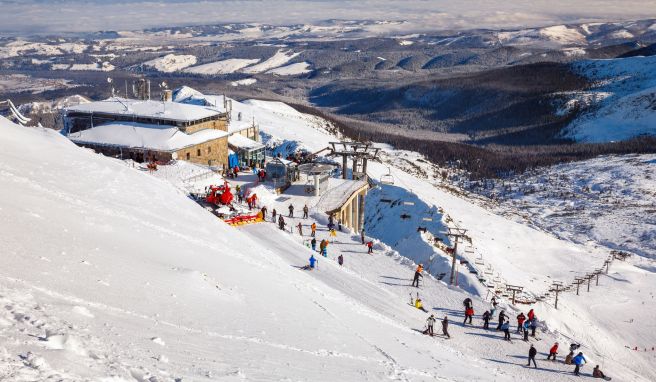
<point>621,103</point>
<point>112,274</point>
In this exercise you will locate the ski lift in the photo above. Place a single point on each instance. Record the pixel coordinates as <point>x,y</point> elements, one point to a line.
<point>387,178</point>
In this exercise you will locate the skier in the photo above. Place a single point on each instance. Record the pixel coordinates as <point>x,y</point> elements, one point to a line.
<point>281,223</point>
<point>340,260</point>
<point>418,274</point>
<point>305,211</point>
<point>370,246</point>
<point>569,358</point>
<point>532,352</point>
<point>553,351</point>
<point>314,243</point>
<point>291,211</point>
<point>534,325</point>
<point>312,261</point>
<point>520,321</point>
<point>502,318</point>
<point>579,361</point>
<point>273,215</point>
<point>362,235</point>
<point>300,228</point>
<point>525,327</point>
<point>486,320</point>
<point>506,330</point>
<point>419,305</point>
<point>264,212</point>
<point>531,315</point>
<point>596,373</point>
<point>429,325</point>
<point>445,327</point>
<point>313,227</point>
<point>469,313</point>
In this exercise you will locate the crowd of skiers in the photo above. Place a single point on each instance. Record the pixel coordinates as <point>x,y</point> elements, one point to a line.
<point>526,325</point>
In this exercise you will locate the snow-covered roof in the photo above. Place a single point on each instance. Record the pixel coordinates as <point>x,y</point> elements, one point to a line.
<point>241,142</point>
<point>151,137</point>
<point>340,190</point>
<point>172,111</point>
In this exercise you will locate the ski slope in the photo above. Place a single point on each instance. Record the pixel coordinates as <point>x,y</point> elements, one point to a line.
<point>230,65</point>
<point>171,62</point>
<point>131,280</point>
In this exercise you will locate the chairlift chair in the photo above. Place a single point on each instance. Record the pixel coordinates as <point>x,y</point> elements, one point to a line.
<point>387,178</point>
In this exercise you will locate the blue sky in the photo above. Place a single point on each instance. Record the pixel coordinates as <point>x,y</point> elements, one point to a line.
<point>48,16</point>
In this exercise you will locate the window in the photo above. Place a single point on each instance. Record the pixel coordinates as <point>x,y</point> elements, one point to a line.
<point>188,156</point>
<point>197,152</point>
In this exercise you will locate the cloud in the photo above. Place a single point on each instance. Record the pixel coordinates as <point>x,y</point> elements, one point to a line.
<point>57,16</point>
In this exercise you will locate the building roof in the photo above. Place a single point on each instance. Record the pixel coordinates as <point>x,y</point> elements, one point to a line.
<point>241,142</point>
<point>142,136</point>
<point>340,192</point>
<point>172,111</point>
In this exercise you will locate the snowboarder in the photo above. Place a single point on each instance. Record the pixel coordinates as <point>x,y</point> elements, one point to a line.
<point>502,318</point>
<point>419,305</point>
<point>569,358</point>
<point>429,325</point>
<point>312,261</point>
<point>291,211</point>
<point>362,235</point>
<point>506,330</point>
<point>300,228</point>
<point>532,352</point>
<point>469,313</point>
<point>305,211</point>
<point>445,327</point>
<point>553,351</point>
<point>579,361</point>
<point>486,320</point>
<point>597,373</point>
<point>313,243</point>
<point>370,247</point>
<point>415,281</point>
<point>313,227</point>
<point>520,321</point>
<point>340,260</point>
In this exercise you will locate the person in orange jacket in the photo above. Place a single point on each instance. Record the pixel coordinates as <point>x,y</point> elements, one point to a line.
<point>553,351</point>
<point>415,281</point>
<point>313,227</point>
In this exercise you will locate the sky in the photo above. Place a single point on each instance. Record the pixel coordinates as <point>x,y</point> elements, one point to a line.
<point>58,16</point>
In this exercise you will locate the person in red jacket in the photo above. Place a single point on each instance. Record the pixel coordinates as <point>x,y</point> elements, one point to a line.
<point>553,351</point>
<point>370,246</point>
<point>531,315</point>
<point>520,321</point>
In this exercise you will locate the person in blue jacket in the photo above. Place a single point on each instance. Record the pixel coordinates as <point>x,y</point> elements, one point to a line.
<point>579,361</point>
<point>312,261</point>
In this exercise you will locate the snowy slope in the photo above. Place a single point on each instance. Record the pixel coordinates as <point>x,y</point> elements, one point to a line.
<point>230,65</point>
<point>620,105</point>
<point>171,62</point>
<point>279,59</point>
<point>130,280</point>
<point>292,69</point>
